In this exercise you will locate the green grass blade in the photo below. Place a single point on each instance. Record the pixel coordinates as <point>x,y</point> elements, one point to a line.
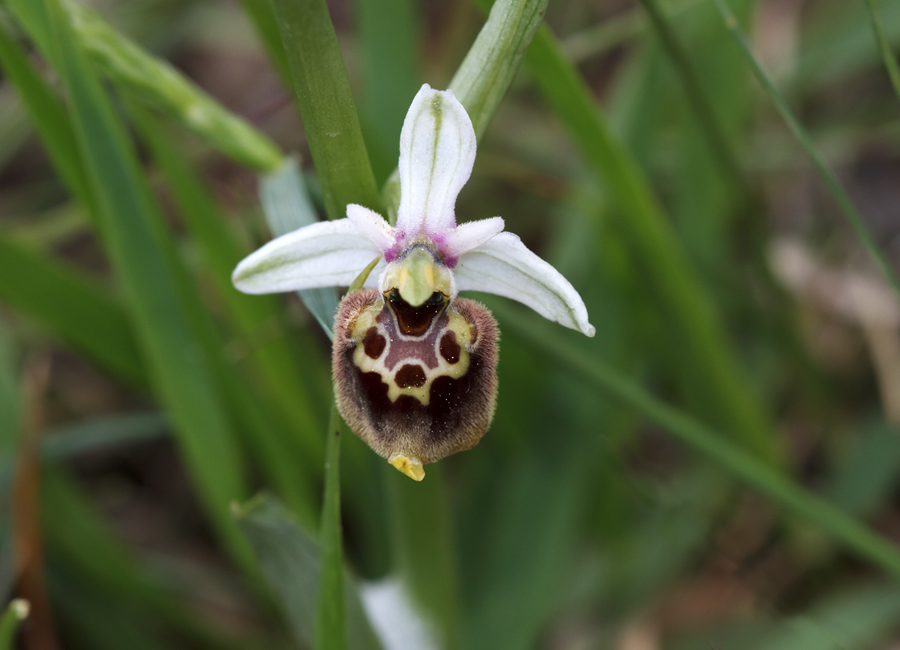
<point>275,359</point>
<point>485,74</point>
<point>330,625</point>
<point>654,245</point>
<point>16,612</point>
<point>141,256</point>
<point>290,560</point>
<point>154,82</point>
<point>326,106</point>
<point>387,36</point>
<point>714,446</point>
<point>72,308</point>
<point>890,62</point>
<point>851,214</point>
<point>49,118</point>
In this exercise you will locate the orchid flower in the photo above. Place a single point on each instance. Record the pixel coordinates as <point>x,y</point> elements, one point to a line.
<point>414,365</point>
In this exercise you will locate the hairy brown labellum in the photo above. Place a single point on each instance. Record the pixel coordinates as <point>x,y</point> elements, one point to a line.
<point>418,382</point>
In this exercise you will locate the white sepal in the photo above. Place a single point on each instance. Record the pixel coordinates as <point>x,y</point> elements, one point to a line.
<point>504,266</point>
<point>324,254</point>
<point>437,151</point>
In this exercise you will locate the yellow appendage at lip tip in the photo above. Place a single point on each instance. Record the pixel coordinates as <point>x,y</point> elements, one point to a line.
<point>412,467</point>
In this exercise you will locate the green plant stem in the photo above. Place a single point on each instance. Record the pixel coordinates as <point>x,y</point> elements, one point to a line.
<point>714,446</point>
<point>331,633</point>
<point>837,191</point>
<point>890,63</point>
<point>326,106</point>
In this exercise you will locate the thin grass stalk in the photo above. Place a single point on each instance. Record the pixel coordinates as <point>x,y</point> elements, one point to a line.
<point>16,612</point>
<point>884,46</point>
<point>331,633</point>
<point>714,446</point>
<point>851,214</point>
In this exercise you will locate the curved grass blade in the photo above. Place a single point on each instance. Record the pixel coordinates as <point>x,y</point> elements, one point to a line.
<point>49,118</point>
<point>851,214</point>
<point>654,244</point>
<point>714,446</point>
<point>143,260</point>
<point>154,82</point>
<point>326,106</point>
<point>890,62</point>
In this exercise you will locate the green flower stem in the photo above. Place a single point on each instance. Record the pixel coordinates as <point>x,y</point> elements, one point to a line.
<point>155,83</point>
<point>331,633</point>
<point>326,106</point>
<point>655,246</point>
<point>840,196</point>
<point>890,62</point>
<point>714,446</point>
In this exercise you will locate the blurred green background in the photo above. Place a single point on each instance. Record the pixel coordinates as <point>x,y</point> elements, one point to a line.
<point>716,469</point>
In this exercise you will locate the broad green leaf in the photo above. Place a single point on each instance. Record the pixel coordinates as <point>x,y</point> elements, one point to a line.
<point>290,560</point>
<point>143,261</point>
<point>326,106</point>
<point>73,308</point>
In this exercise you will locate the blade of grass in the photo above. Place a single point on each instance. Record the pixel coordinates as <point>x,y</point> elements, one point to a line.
<point>49,118</point>
<point>9,397</point>
<point>654,244</point>
<point>72,308</point>
<point>277,363</point>
<point>16,612</point>
<point>326,106</point>
<point>851,214</point>
<point>890,63</point>
<point>142,259</point>
<point>387,36</point>
<point>713,445</point>
<point>263,18</point>
<point>154,82</point>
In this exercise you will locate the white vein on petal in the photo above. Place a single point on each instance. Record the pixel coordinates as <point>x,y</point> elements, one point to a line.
<point>504,266</point>
<point>324,254</point>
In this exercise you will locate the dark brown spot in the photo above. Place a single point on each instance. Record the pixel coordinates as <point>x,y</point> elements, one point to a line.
<point>410,376</point>
<point>373,343</point>
<point>449,347</point>
<point>415,321</point>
